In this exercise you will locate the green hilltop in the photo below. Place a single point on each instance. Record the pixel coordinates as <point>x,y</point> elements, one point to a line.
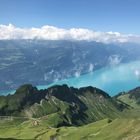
<point>66,113</point>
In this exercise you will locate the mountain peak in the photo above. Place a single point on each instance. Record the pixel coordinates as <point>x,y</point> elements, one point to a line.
<point>27,88</point>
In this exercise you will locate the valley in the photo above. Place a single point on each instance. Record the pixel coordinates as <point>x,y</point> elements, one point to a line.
<point>42,62</point>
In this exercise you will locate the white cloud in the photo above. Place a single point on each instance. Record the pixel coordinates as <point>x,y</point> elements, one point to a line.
<point>54,33</point>
<point>91,67</point>
<point>77,74</point>
<point>114,60</point>
<point>137,73</point>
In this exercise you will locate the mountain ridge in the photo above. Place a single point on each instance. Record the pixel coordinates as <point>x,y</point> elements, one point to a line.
<point>62,112</point>
<point>74,106</point>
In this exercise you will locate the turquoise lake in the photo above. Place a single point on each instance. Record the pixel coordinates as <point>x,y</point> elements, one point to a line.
<point>113,79</point>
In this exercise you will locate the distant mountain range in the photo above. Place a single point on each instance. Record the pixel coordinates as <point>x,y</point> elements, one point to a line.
<point>46,112</point>
<point>43,61</point>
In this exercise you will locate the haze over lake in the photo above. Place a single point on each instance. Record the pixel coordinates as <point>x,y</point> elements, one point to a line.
<point>113,80</point>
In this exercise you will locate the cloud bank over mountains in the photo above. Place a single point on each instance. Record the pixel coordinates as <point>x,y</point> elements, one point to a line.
<point>53,33</point>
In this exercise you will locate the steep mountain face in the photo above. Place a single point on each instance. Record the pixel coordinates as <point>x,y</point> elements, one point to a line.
<point>42,62</point>
<point>68,105</point>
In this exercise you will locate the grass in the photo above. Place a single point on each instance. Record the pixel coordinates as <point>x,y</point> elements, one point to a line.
<point>101,130</point>
<point>117,126</point>
<point>132,102</point>
<point>21,129</point>
<point>106,129</point>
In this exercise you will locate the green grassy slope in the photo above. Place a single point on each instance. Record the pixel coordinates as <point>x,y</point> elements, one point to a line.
<point>17,128</point>
<point>131,97</point>
<point>63,113</point>
<point>118,129</point>
<point>73,106</point>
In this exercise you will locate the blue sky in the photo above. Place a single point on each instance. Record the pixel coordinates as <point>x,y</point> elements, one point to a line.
<point>101,15</point>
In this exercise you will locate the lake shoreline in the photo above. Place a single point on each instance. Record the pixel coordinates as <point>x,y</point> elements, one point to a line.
<point>112,80</point>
